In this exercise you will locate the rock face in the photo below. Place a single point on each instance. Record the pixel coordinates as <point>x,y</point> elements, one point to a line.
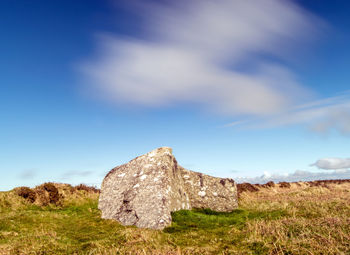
<point>146,190</point>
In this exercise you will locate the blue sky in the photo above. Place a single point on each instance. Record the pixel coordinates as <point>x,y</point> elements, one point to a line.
<point>237,89</point>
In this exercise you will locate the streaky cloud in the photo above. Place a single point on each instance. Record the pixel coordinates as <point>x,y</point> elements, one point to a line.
<point>70,174</point>
<point>320,116</point>
<point>28,174</point>
<point>192,52</point>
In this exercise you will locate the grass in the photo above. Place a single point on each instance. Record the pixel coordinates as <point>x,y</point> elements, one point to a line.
<point>297,220</point>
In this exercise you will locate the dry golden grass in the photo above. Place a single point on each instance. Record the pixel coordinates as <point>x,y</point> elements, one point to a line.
<point>318,220</point>
<point>296,220</point>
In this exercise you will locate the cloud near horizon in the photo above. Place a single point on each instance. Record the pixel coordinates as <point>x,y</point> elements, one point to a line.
<point>338,168</point>
<point>298,175</point>
<point>193,52</point>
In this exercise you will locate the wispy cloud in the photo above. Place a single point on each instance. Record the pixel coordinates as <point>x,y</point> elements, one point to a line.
<point>298,175</point>
<point>320,116</point>
<point>27,174</point>
<point>193,52</point>
<point>70,174</point>
<point>332,163</point>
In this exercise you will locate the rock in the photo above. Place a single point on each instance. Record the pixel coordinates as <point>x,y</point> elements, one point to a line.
<point>146,190</point>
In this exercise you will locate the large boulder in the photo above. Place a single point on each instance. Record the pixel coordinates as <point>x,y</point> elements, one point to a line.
<point>146,190</point>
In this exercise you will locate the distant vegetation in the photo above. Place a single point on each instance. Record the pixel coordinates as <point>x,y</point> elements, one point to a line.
<point>298,218</point>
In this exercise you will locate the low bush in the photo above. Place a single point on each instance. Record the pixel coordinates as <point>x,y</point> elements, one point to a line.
<point>26,193</point>
<point>242,187</point>
<point>284,184</point>
<point>86,188</point>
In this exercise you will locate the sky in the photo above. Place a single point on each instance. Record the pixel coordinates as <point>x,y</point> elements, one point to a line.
<point>251,90</point>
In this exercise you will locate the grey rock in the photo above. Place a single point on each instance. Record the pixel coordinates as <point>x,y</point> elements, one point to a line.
<point>147,189</point>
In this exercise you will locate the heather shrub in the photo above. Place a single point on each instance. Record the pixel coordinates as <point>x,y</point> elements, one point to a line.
<point>26,193</point>
<point>242,187</point>
<point>284,184</point>
<point>86,188</point>
<point>47,193</point>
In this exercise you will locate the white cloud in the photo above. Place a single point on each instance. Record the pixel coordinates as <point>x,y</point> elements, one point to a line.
<point>332,163</point>
<point>298,175</point>
<point>192,52</point>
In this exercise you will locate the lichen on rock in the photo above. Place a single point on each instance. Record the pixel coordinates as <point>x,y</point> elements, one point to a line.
<point>147,189</point>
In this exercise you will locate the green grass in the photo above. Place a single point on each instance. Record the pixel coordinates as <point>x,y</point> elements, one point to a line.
<point>216,227</point>
<point>80,229</point>
<point>311,221</point>
<point>67,230</point>
<point>209,221</point>
<point>77,228</point>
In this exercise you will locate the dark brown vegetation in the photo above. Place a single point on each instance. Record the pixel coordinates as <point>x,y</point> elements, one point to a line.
<point>53,196</point>
<point>323,183</point>
<point>243,187</point>
<point>270,184</point>
<point>87,188</point>
<point>284,184</point>
<point>26,193</point>
<point>48,193</point>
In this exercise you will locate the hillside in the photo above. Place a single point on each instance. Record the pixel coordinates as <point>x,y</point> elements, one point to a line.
<point>296,218</point>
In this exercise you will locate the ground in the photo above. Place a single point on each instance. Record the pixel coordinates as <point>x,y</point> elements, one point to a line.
<point>300,219</point>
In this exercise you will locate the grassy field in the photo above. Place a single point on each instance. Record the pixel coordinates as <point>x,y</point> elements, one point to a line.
<point>275,220</point>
